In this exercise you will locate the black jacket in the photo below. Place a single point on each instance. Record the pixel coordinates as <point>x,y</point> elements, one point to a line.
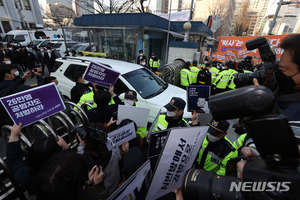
<point>78,90</point>
<point>102,114</point>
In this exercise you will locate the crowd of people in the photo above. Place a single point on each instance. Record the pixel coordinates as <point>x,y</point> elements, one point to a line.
<point>216,74</point>
<point>91,171</point>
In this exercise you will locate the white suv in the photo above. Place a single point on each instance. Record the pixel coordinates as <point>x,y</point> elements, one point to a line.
<point>152,92</point>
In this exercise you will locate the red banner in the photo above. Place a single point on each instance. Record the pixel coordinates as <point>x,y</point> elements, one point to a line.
<point>238,43</point>
<point>217,56</point>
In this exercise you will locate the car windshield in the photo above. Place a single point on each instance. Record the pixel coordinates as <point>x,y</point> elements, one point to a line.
<point>36,42</point>
<point>145,83</point>
<point>9,38</point>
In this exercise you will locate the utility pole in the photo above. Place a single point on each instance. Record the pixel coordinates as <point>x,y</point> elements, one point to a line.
<point>190,17</point>
<point>272,24</point>
<point>167,43</point>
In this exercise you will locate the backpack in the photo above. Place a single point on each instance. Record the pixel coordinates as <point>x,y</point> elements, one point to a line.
<point>204,77</point>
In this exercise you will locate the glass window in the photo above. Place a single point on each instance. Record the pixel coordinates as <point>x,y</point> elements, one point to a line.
<point>73,69</point>
<point>36,42</point>
<point>18,4</point>
<point>58,45</point>
<point>1,3</point>
<point>20,38</point>
<point>145,83</point>
<point>57,65</point>
<point>6,26</point>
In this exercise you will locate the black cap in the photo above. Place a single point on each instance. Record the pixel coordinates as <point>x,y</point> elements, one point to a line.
<point>176,103</point>
<point>130,94</point>
<point>216,128</point>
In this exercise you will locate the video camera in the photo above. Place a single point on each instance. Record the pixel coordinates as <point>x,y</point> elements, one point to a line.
<point>266,75</point>
<point>276,175</point>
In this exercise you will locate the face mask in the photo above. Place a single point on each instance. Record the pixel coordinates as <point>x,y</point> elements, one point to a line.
<point>58,86</point>
<point>128,102</point>
<point>41,50</point>
<point>49,51</point>
<point>143,63</point>
<point>285,82</point>
<point>212,138</point>
<point>171,114</point>
<point>10,49</point>
<point>141,54</point>
<point>7,62</point>
<point>223,68</point>
<point>30,49</point>
<point>85,82</point>
<point>17,73</point>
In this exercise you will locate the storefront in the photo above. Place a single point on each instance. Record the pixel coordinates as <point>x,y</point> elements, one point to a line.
<point>121,36</point>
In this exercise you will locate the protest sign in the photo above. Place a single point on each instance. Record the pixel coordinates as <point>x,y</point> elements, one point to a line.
<point>197,98</point>
<point>100,74</point>
<point>121,135</point>
<point>137,114</point>
<point>218,56</point>
<point>153,124</point>
<point>157,141</point>
<point>179,152</point>
<point>231,54</point>
<point>33,105</point>
<point>135,186</point>
<point>236,43</point>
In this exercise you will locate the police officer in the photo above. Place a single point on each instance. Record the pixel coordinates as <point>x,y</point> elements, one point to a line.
<point>224,81</point>
<point>185,76</point>
<point>80,88</point>
<point>214,72</point>
<point>130,99</point>
<point>174,116</point>
<point>216,150</point>
<point>88,97</point>
<point>194,72</point>
<point>154,63</point>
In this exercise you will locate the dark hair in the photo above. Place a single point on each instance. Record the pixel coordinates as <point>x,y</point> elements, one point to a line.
<point>141,51</point>
<point>98,150</point>
<point>62,177</point>
<point>292,43</point>
<point>48,79</point>
<point>135,141</point>
<point>40,151</point>
<point>102,98</point>
<point>3,70</point>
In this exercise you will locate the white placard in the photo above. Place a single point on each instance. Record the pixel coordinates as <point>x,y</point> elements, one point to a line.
<point>178,155</point>
<point>136,114</point>
<point>121,135</point>
<point>133,184</point>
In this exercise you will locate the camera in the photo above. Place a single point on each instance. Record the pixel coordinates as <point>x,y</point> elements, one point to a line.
<point>266,74</point>
<point>276,175</point>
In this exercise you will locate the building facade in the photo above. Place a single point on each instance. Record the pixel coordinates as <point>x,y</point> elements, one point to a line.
<point>19,14</point>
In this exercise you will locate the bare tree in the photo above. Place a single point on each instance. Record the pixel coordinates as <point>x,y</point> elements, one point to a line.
<point>60,14</point>
<point>225,9</point>
<point>116,6</point>
<point>242,21</point>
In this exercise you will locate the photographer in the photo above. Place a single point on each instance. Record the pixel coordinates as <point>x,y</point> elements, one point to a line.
<point>289,86</point>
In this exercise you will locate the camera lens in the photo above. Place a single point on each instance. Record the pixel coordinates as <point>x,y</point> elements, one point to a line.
<point>245,79</point>
<point>200,184</point>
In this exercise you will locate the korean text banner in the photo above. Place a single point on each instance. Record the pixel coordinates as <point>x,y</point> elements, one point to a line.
<point>237,43</point>
<point>100,74</point>
<point>179,152</point>
<point>33,105</point>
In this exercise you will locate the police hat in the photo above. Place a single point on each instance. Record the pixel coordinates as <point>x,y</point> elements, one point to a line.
<point>130,94</point>
<point>217,128</point>
<point>176,103</point>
